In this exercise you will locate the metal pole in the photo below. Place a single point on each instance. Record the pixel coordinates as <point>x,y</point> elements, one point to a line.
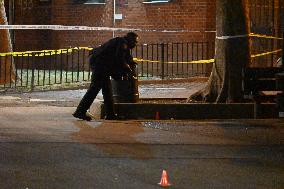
<point>114,10</point>
<point>11,20</point>
<point>282,60</point>
<point>163,59</point>
<point>33,72</point>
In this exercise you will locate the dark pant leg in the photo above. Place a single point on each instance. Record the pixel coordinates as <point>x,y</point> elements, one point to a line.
<point>108,97</point>
<point>97,82</point>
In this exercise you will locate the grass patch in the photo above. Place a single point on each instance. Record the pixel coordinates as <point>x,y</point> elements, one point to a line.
<point>37,80</point>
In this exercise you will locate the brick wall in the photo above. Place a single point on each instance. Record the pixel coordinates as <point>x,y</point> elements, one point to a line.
<point>195,15</point>
<point>30,12</point>
<point>198,16</point>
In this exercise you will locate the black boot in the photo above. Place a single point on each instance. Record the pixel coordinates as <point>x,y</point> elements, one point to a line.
<point>82,116</point>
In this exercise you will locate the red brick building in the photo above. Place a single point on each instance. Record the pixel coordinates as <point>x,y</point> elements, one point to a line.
<point>197,16</point>
<point>192,20</point>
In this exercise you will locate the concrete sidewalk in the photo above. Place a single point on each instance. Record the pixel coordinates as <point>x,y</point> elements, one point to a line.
<point>181,88</point>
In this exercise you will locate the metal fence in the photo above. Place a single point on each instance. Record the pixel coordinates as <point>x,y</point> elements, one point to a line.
<point>266,18</point>
<point>43,69</point>
<point>173,60</point>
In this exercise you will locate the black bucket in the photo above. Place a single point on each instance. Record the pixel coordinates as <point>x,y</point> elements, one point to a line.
<point>125,90</point>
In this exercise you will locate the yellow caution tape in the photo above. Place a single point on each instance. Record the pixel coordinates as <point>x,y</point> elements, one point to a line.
<point>86,48</point>
<point>251,35</point>
<point>65,51</point>
<point>193,62</point>
<point>190,62</point>
<point>264,36</point>
<point>266,53</point>
<point>144,60</point>
<point>43,52</point>
<point>203,61</point>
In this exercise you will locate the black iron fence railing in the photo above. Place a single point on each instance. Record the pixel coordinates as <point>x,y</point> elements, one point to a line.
<point>266,17</point>
<point>172,60</point>
<point>42,69</point>
<point>66,67</point>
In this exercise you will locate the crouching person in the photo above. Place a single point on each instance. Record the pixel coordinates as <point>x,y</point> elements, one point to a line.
<point>110,59</point>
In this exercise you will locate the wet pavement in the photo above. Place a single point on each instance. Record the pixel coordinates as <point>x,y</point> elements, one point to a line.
<point>43,146</point>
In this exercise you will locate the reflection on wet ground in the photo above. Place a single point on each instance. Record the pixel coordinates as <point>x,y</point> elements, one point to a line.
<point>46,146</point>
<point>235,124</point>
<point>250,132</point>
<point>100,136</point>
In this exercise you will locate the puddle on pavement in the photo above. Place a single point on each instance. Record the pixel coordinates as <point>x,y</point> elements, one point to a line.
<point>114,138</point>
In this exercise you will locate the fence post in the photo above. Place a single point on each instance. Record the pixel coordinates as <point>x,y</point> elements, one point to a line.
<point>33,72</point>
<point>163,59</point>
<point>282,59</point>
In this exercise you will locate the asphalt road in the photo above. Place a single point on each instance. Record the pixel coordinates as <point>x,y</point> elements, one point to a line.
<point>43,146</point>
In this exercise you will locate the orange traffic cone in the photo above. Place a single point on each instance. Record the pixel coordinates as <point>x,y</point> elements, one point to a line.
<point>157,116</point>
<point>164,179</point>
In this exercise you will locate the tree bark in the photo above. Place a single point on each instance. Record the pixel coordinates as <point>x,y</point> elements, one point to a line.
<point>7,70</point>
<point>232,53</point>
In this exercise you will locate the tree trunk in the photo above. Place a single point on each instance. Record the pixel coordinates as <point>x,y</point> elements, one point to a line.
<point>232,53</point>
<point>6,64</point>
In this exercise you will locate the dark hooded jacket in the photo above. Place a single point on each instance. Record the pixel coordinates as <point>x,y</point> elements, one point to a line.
<point>111,57</point>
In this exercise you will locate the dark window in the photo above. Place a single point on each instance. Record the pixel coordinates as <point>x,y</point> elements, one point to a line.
<point>121,3</point>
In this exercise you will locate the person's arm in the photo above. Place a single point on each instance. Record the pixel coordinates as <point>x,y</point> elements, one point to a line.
<point>132,64</point>
<point>129,59</point>
<point>120,50</point>
<point>121,55</point>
